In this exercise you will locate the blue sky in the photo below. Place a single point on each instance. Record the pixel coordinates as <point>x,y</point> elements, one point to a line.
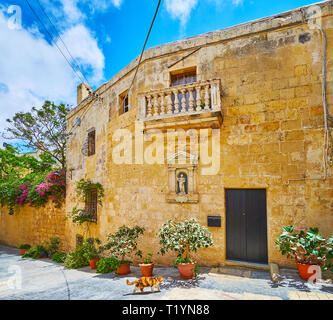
<point>103,36</point>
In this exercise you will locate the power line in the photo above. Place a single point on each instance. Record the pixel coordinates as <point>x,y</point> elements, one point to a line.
<point>59,36</point>
<point>137,68</point>
<point>51,37</point>
<point>144,46</point>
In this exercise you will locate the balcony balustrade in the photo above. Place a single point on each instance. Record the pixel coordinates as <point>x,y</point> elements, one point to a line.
<point>196,105</point>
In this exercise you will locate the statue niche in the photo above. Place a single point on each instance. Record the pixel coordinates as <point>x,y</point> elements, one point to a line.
<point>183,177</point>
<point>182,183</point>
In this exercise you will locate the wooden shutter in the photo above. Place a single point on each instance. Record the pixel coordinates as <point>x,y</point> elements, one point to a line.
<point>91,143</point>
<point>91,204</point>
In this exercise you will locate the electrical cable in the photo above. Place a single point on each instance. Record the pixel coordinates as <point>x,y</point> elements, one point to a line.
<point>326,116</point>
<point>60,38</point>
<point>51,37</point>
<point>137,68</point>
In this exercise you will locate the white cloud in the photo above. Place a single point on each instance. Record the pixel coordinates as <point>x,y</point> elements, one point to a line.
<point>237,2</point>
<point>117,3</point>
<point>180,9</point>
<point>33,70</point>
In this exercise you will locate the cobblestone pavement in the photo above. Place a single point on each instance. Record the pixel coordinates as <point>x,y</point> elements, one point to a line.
<point>44,279</point>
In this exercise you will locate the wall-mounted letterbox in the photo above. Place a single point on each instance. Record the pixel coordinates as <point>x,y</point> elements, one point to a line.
<point>214,221</point>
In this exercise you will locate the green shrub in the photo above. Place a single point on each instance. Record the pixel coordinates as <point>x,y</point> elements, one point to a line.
<point>24,246</point>
<point>34,252</point>
<point>59,257</point>
<point>90,250</point>
<point>52,246</point>
<point>106,265</point>
<point>76,259</point>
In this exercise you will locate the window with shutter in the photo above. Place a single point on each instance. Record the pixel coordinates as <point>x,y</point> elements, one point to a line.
<point>181,78</point>
<point>91,205</point>
<point>91,143</point>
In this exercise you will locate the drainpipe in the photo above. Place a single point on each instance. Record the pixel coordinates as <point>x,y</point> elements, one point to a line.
<point>326,116</point>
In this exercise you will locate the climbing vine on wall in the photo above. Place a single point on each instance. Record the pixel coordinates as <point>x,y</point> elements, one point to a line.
<point>84,190</point>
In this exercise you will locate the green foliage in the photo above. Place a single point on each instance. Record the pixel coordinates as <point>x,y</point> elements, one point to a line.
<point>76,259</point>
<point>184,237</point>
<point>148,259</point>
<point>181,260</point>
<point>80,216</point>
<point>12,163</point>
<point>124,242</point>
<point>26,180</point>
<point>20,174</point>
<point>83,191</point>
<point>90,251</point>
<point>52,246</point>
<point>306,247</point>
<point>106,265</point>
<point>24,246</point>
<point>84,187</point>
<point>34,252</point>
<point>43,129</point>
<point>59,257</point>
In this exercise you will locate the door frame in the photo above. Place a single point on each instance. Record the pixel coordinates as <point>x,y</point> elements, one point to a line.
<point>245,263</point>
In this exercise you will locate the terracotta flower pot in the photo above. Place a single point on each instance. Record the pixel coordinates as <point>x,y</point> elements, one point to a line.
<point>147,269</point>
<point>186,270</point>
<point>124,269</point>
<point>23,251</point>
<point>93,263</point>
<point>304,272</point>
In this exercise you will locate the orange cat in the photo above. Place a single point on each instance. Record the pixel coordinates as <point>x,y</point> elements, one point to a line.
<point>145,282</point>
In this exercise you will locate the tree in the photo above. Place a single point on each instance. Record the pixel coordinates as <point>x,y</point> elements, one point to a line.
<point>184,237</point>
<point>14,164</point>
<point>124,241</point>
<point>43,129</point>
<point>25,179</point>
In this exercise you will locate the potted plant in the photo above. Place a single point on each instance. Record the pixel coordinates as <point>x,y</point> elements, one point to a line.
<point>37,252</point>
<point>184,238</point>
<point>52,246</point>
<point>309,249</point>
<point>105,265</point>
<point>147,266</point>
<point>24,248</point>
<point>90,252</point>
<point>122,243</point>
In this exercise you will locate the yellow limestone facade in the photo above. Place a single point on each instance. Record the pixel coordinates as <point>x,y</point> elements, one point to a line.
<point>265,125</point>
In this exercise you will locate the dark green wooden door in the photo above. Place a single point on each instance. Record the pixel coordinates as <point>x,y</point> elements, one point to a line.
<point>246,225</point>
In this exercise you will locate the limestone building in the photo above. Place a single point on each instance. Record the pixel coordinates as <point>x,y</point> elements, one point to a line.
<point>229,127</point>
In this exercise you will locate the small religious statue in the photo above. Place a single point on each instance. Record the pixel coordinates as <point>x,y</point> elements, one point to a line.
<point>181,183</point>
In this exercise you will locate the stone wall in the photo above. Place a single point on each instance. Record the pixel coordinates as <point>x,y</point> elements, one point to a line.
<point>272,132</point>
<point>32,226</point>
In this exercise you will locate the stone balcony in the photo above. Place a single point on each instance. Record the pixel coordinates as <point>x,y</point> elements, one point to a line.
<point>195,105</point>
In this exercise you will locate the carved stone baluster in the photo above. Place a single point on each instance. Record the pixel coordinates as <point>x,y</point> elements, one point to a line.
<point>191,101</point>
<point>156,105</point>
<point>169,103</point>
<point>162,104</point>
<point>149,106</point>
<point>183,107</point>
<point>207,104</point>
<point>198,91</point>
<point>175,92</point>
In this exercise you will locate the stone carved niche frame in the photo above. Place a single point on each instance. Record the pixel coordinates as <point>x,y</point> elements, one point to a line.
<point>186,164</point>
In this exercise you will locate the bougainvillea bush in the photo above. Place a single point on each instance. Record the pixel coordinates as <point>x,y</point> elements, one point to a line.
<point>25,180</point>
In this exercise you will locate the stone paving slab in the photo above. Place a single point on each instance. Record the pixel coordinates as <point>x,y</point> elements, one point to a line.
<point>45,279</point>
